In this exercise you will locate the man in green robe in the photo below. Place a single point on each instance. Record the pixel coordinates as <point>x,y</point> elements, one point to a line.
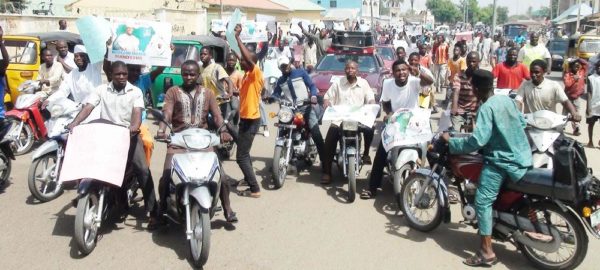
<point>499,134</point>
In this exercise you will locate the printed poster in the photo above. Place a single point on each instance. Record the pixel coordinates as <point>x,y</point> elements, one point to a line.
<point>407,127</point>
<point>140,42</point>
<point>365,114</point>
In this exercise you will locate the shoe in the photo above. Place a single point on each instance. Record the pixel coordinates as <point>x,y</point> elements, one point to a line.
<point>266,133</point>
<point>366,160</point>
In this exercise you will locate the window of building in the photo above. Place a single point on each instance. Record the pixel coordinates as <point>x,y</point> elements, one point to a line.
<point>333,3</point>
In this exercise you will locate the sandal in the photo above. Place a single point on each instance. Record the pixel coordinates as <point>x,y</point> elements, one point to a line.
<point>366,194</point>
<point>478,260</point>
<point>249,193</point>
<point>231,217</point>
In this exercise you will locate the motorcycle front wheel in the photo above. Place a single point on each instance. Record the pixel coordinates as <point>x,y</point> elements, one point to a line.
<point>200,241</point>
<point>573,248</point>
<point>86,227</point>
<point>351,178</point>
<point>25,141</point>
<point>5,168</point>
<point>280,165</point>
<point>423,215</point>
<point>400,177</point>
<point>42,181</point>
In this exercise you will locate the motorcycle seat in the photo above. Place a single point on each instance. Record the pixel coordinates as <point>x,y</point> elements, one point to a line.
<point>541,182</point>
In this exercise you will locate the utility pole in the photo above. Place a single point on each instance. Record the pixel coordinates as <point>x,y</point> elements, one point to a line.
<point>372,25</point>
<point>578,15</point>
<point>494,18</point>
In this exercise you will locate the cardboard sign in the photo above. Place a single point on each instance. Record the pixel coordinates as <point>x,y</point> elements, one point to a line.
<point>95,32</point>
<point>89,153</point>
<point>140,42</point>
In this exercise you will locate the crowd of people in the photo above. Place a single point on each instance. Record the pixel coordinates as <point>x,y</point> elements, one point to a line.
<point>424,65</point>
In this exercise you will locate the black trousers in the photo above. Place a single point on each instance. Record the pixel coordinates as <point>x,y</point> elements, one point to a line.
<point>331,142</point>
<point>136,161</point>
<point>247,130</point>
<point>377,169</point>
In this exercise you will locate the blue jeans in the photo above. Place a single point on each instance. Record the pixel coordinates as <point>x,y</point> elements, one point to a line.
<point>263,114</point>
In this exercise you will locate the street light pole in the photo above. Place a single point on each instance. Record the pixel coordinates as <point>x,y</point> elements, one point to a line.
<point>578,15</point>
<point>372,25</point>
<point>494,18</point>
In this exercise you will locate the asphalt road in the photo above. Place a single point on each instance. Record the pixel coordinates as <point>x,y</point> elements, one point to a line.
<point>301,226</point>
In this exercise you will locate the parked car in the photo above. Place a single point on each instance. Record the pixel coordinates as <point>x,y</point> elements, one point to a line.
<point>558,50</point>
<point>25,57</point>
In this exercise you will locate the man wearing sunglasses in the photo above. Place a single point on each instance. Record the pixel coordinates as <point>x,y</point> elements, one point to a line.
<point>296,85</point>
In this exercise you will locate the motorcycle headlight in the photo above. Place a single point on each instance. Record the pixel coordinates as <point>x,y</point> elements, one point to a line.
<point>285,115</point>
<point>350,126</point>
<point>196,142</point>
<point>557,57</point>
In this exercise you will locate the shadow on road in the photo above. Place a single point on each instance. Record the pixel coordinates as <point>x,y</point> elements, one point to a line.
<point>6,185</point>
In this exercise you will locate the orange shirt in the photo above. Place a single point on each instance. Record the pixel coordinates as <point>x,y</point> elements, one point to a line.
<point>441,54</point>
<point>252,85</point>
<point>457,66</point>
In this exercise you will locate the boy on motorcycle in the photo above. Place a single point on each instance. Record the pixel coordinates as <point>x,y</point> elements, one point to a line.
<point>353,91</point>
<point>122,103</point>
<point>296,85</point>
<point>402,92</point>
<point>188,106</point>
<point>505,150</point>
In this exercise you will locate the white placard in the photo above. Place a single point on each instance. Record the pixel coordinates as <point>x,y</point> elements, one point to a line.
<point>140,42</point>
<point>365,114</point>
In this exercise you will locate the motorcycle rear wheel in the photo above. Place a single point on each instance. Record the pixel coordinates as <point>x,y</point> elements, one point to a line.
<point>200,241</point>
<point>570,229</point>
<point>86,228</point>
<point>44,185</point>
<point>351,179</point>
<point>25,140</point>
<point>4,172</point>
<point>280,166</point>
<point>429,201</point>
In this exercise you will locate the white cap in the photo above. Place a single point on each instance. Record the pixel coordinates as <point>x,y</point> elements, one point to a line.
<point>79,49</point>
<point>283,60</point>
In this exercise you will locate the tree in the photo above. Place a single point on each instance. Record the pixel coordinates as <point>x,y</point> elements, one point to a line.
<point>502,15</point>
<point>14,6</point>
<point>443,10</point>
<point>385,5</point>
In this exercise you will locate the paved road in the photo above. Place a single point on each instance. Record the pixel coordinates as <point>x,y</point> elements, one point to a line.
<point>301,226</point>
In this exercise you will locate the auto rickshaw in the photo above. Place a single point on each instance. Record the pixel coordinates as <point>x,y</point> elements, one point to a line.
<point>186,48</point>
<point>25,57</point>
<point>583,46</point>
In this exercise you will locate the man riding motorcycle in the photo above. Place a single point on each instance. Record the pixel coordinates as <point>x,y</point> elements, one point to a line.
<point>188,106</point>
<point>402,92</point>
<point>122,103</point>
<point>499,134</point>
<point>296,85</point>
<point>353,91</point>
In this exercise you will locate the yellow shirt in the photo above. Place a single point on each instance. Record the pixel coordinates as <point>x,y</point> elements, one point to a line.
<point>252,85</point>
<point>211,77</point>
<point>456,66</point>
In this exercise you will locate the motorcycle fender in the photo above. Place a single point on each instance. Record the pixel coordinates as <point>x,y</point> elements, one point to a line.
<point>84,186</point>
<point>351,151</point>
<point>443,189</point>
<point>47,147</point>
<point>280,142</point>
<point>406,156</point>
<point>202,196</point>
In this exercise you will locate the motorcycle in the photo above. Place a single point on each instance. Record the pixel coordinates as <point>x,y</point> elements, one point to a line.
<point>47,159</point>
<point>348,155</point>
<point>544,127</point>
<point>294,143</point>
<point>6,154</point>
<point>27,119</point>
<point>195,184</point>
<point>405,138</point>
<point>539,214</point>
<point>226,149</point>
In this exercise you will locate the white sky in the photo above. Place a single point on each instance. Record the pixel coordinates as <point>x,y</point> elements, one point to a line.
<point>514,6</point>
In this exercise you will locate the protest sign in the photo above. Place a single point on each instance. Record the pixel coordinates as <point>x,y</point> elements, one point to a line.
<point>217,25</point>
<point>86,158</point>
<point>365,114</point>
<point>236,18</point>
<point>95,32</point>
<point>140,42</point>
<point>407,127</point>
<point>295,29</point>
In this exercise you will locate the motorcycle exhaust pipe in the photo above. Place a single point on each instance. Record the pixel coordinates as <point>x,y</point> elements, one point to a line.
<point>527,226</point>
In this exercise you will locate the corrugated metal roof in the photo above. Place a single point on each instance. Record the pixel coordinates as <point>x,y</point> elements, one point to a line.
<point>572,11</point>
<point>299,5</point>
<point>257,4</point>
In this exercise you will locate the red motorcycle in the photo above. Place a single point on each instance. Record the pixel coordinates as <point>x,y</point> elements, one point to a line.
<point>545,214</point>
<point>26,118</point>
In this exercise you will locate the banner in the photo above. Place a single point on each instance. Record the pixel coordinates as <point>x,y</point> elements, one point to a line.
<point>85,157</point>
<point>140,42</point>
<point>295,29</point>
<point>407,127</point>
<point>270,20</point>
<point>95,32</point>
<point>365,114</point>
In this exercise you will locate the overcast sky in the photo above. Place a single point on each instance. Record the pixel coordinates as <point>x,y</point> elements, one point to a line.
<point>514,6</point>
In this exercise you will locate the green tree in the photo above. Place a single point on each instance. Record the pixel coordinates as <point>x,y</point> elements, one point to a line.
<point>502,16</point>
<point>13,6</point>
<point>444,11</point>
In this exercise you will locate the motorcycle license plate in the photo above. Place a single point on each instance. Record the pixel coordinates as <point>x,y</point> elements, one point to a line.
<point>595,218</point>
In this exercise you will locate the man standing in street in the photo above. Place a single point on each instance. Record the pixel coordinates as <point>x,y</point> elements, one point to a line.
<point>214,78</point>
<point>574,79</point>
<point>64,57</point>
<point>463,98</point>
<point>510,73</point>
<point>250,92</point>
<point>534,51</point>
<point>317,39</point>
<point>441,54</point>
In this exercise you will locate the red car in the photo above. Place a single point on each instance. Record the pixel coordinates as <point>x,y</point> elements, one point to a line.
<point>370,68</point>
<point>388,55</point>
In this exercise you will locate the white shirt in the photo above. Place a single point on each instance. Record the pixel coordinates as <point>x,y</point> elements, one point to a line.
<point>341,92</point>
<point>400,43</point>
<point>542,97</point>
<point>127,42</point>
<point>69,60</point>
<point>405,97</point>
<point>115,106</point>
<point>276,53</point>
<point>80,84</point>
<point>529,53</point>
<point>310,54</point>
<point>54,75</point>
<point>595,97</point>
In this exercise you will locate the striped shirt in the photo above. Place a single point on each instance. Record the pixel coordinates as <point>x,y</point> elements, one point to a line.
<point>467,101</point>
